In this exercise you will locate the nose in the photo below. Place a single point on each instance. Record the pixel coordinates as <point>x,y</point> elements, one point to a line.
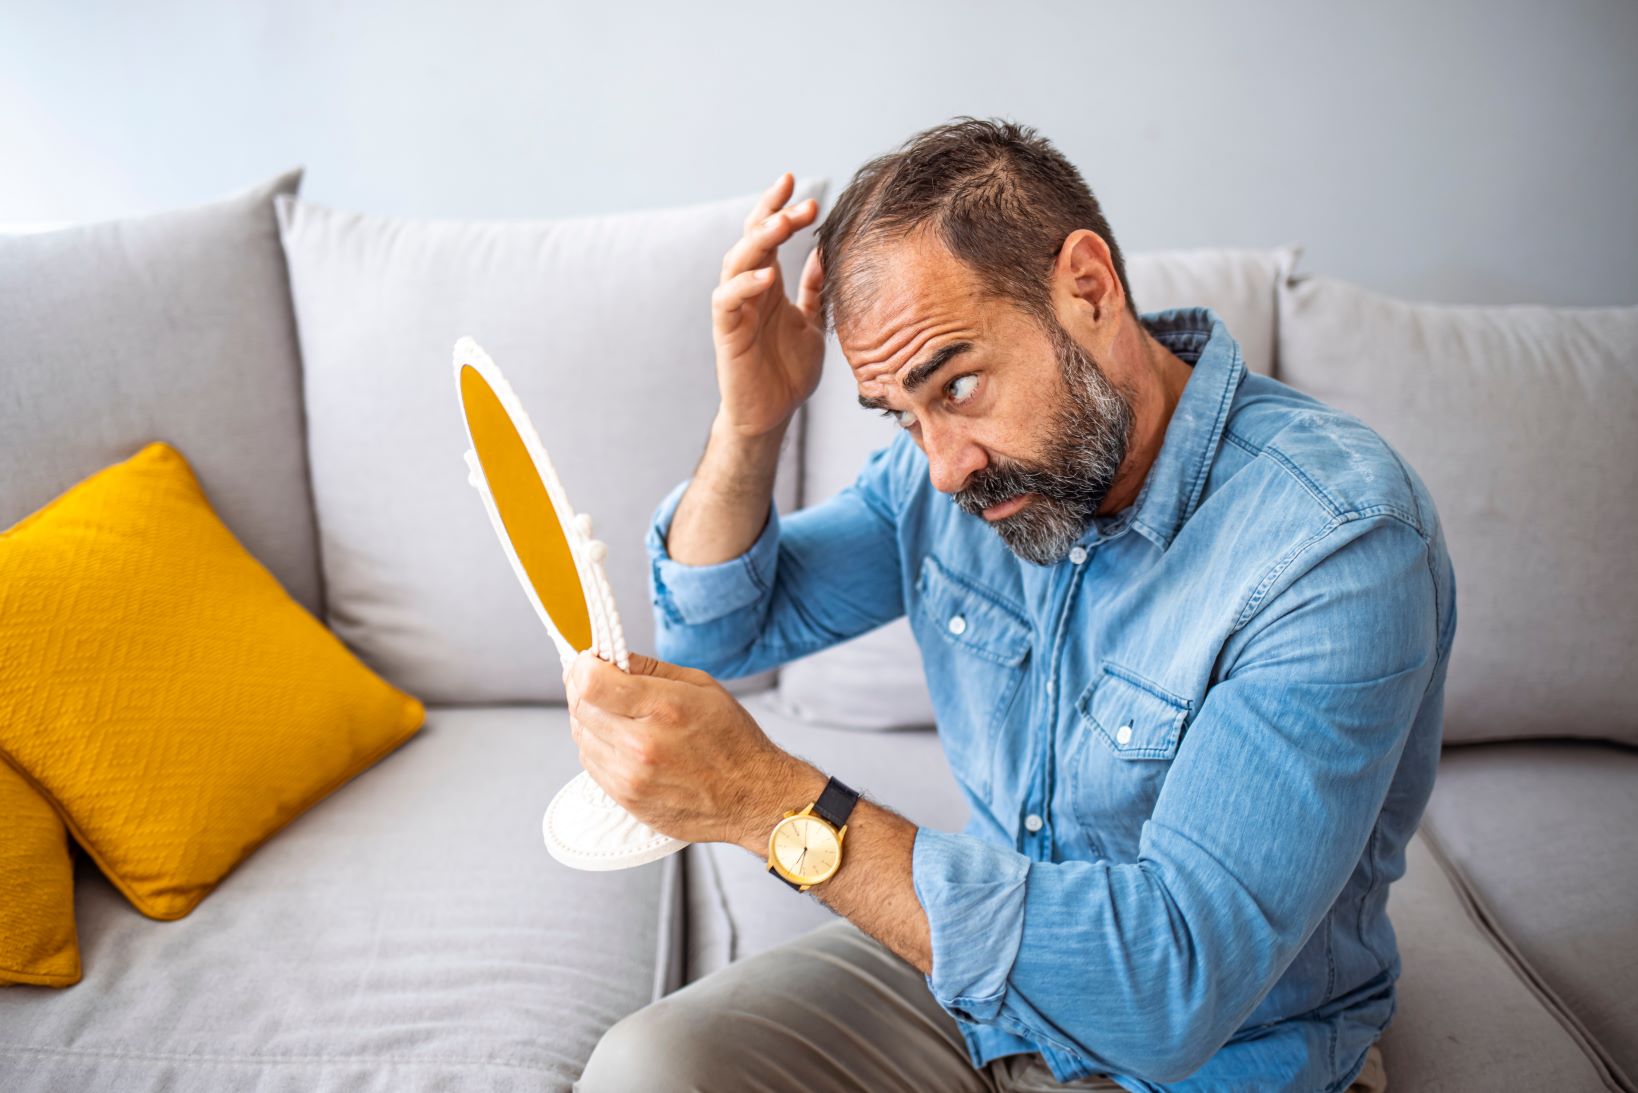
<point>952,457</point>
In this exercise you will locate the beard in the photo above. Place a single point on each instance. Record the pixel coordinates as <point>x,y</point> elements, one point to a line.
<point>1089,431</point>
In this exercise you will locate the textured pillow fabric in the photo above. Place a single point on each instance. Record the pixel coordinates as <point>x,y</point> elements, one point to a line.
<point>175,325</point>
<point>162,689</point>
<point>602,325</point>
<point>39,944</point>
<point>1521,422</point>
<point>875,681</point>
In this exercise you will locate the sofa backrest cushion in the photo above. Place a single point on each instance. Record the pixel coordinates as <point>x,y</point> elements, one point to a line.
<point>875,680</point>
<point>1521,420</point>
<point>176,327</point>
<point>601,324</point>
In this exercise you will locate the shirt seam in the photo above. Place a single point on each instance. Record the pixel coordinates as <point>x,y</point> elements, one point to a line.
<point>1241,442</point>
<point>1254,599</point>
<point>1333,507</point>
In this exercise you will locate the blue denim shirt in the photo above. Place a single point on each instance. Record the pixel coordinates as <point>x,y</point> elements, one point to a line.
<point>1194,750</point>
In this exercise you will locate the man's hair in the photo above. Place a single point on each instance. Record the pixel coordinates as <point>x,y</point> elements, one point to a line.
<point>998,196</point>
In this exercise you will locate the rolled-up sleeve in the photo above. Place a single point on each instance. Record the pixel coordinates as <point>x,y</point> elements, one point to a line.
<point>1146,968</point>
<point>815,577</point>
<point>692,594</point>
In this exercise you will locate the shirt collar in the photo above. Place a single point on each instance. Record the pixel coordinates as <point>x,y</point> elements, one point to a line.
<point>1177,477</point>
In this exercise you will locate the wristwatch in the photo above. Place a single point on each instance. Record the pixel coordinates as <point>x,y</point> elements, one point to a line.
<point>805,847</point>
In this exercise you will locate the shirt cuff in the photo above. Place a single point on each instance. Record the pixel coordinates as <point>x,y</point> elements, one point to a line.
<point>691,594</point>
<point>973,894</point>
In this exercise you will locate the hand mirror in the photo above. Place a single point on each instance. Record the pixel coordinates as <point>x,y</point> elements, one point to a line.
<point>560,567</point>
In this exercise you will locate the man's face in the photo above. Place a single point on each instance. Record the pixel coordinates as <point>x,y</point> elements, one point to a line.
<point>1019,424</point>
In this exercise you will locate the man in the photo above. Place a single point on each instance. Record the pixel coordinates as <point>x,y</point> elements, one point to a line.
<point>1185,630</point>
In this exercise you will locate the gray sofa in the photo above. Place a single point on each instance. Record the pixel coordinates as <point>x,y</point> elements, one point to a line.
<point>410,932</point>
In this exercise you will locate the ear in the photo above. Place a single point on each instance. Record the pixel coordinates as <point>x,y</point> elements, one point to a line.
<point>1085,276</point>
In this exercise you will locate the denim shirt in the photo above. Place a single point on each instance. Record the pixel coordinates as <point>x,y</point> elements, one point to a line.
<point>1194,750</point>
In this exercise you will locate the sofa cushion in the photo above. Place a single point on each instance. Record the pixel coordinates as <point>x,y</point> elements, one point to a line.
<point>162,689</point>
<point>602,327</point>
<point>1546,836</point>
<point>1465,1019</point>
<point>409,934</point>
<point>1520,421</point>
<point>177,327</point>
<point>875,680</point>
<point>38,941</point>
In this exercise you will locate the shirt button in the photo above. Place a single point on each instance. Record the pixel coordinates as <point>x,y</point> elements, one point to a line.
<point>958,624</point>
<point>1123,735</point>
<point>1077,554</point>
<point>1033,822</point>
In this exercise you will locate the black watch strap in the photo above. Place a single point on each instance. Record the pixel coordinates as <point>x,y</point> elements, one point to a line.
<point>836,803</point>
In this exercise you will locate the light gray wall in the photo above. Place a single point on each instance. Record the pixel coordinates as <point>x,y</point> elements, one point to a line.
<point>1469,151</point>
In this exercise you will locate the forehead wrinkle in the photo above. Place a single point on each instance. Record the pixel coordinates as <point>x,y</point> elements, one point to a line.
<point>931,296</point>
<point>869,374</point>
<point>903,335</point>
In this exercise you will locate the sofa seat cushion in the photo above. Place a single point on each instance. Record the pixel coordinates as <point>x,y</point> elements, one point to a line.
<point>1465,1018</point>
<point>410,933</point>
<point>1546,837</point>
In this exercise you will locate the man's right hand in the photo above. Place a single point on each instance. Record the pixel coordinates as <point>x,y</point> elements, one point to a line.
<point>769,350</point>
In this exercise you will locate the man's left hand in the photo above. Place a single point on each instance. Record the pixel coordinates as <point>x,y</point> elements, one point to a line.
<point>677,751</point>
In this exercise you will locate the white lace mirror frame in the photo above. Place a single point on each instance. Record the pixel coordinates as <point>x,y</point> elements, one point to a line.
<point>583,826</point>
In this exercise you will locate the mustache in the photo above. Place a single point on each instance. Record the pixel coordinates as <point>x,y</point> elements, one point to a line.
<point>998,483</point>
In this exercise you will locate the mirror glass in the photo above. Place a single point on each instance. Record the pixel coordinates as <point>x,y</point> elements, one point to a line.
<point>526,509</point>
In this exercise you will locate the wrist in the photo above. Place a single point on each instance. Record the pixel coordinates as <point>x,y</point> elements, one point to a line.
<point>748,444</point>
<point>790,784</point>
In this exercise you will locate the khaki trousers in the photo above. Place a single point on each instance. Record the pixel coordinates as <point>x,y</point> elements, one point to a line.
<point>832,1011</point>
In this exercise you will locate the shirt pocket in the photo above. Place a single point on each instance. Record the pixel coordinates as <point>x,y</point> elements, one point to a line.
<point>1129,729</point>
<point>977,647</point>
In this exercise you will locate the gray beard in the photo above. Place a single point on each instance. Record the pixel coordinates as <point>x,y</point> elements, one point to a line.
<point>1090,430</point>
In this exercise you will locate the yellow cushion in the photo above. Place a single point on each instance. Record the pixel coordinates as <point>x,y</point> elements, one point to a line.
<point>162,690</point>
<point>38,941</point>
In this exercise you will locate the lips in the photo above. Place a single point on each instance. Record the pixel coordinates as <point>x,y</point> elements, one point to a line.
<point>1002,510</point>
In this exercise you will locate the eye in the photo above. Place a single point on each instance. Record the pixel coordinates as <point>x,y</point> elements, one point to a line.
<point>965,384</point>
<point>903,418</point>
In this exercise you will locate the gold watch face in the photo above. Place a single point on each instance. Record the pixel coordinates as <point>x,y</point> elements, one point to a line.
<point>806,848</point>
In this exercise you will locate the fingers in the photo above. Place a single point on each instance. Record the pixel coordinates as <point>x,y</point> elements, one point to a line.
<point>728,297</point>
<point>594,686</point>
<point>762,239</point>
<point>813,279</point>
<point>591,726</point>
<point>597,754</point>
<point>650,666</point>
<point>593,681</point>
<point>772,198</point>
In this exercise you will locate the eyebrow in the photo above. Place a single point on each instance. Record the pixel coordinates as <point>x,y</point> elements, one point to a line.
<point>921,373</point>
